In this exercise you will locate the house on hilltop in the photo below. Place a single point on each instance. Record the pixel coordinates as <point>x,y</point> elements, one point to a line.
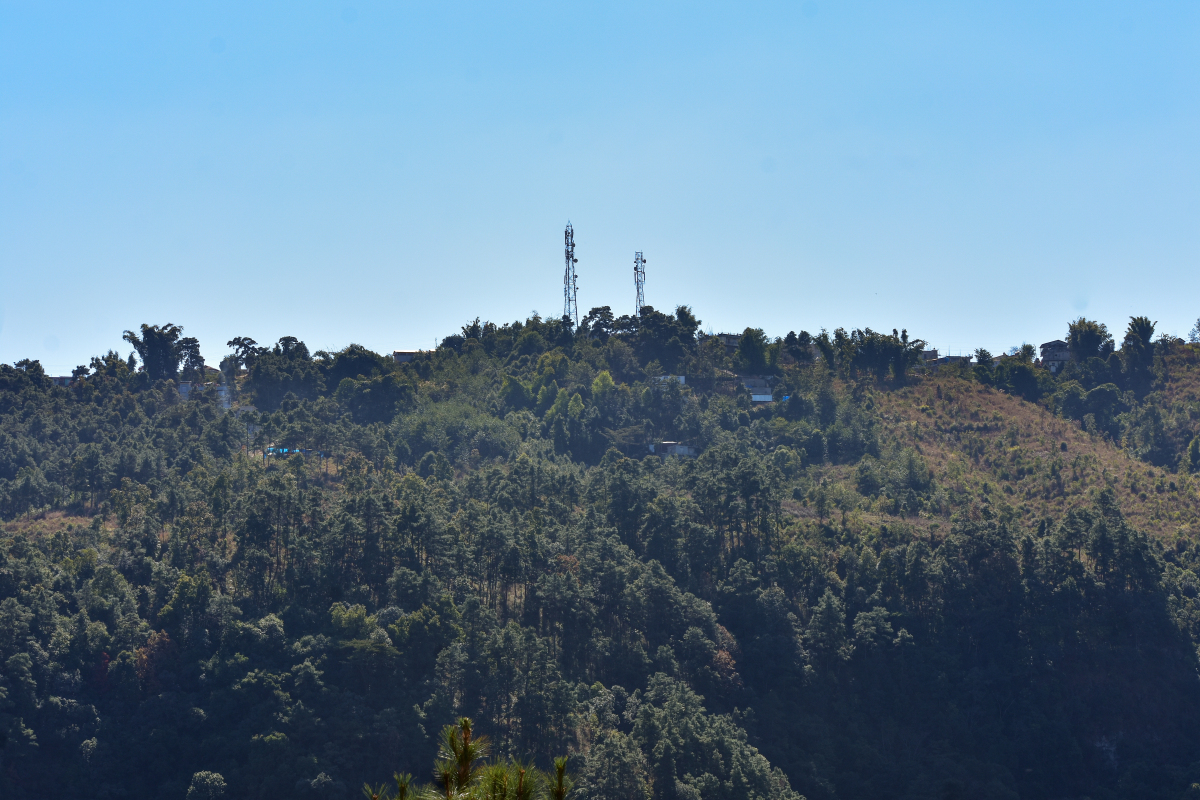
<point>1055,355</point>
<point>729,341</point>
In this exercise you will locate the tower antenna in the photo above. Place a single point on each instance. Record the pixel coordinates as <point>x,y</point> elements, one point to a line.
<point>639,281</point>
<point>570,279</point>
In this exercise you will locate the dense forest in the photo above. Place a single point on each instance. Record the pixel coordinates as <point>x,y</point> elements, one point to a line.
<point>971,581</point>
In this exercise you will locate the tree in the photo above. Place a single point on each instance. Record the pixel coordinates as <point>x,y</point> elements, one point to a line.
<point>355,361</point>
<point>686,323</point>
<point>463,774</point>
<point>285,368</point>
<point>244,350</point>
<point>457,766</point>
<point>229,368</point>
<point>291,347</point>
<point>662,337</point>
<point>984,368</point>
<point>615,769</point>
<point>1190,460</point>
<point>206,786</point>
<point>158,349</point>
<point>826,348</point>
<point>598,323</point>
<point>826,632</point>
<point>1026,353</point>
<point>692,752</point>
<point>1137,354</point>
<point>907,355</point>
<point>799,347</point>
<point>562,783</point>
<point>113,366</point>
<point>1088,339</point>
<point>472,330</point>
<point>193,363</point>
<point>874,352</point>
<point>751,357</point>
<point>1016,375</point>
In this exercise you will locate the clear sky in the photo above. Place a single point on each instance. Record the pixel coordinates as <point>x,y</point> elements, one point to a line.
<point>978,172</point>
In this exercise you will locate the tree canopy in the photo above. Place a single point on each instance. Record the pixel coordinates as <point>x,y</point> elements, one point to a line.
<point>888,582</point>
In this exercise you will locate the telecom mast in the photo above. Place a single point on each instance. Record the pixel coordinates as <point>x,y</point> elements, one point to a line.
<point>639,281</point>
<point>570,280</point>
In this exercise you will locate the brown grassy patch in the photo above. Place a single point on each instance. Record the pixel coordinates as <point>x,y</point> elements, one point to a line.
<point>981,442</point>
<point>44,525</point>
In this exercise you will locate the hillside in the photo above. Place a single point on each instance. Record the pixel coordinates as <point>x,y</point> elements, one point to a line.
<point>891,583</point>
<point>981,443</point>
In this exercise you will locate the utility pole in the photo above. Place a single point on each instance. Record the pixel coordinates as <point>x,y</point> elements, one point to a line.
<point>570,279</point>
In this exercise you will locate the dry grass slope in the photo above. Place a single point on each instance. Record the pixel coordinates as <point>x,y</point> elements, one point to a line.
<point>981,443</point>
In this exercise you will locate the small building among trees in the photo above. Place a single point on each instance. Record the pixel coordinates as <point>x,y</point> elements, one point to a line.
<point>1055,355</point>
<point>404,356</point>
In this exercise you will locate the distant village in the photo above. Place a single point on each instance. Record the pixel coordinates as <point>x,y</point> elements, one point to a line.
<point>1054,356</point>
<point>224,397</point>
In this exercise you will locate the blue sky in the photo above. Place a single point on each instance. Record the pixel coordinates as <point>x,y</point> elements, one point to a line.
<point>980,173</point>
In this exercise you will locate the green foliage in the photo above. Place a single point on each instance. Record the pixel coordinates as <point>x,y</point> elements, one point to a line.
<point>287,369</point>
<point>752,352</point>
<point>462,772</point>
<point>830,600</point>
<point>984,368</point>
<point>187,605</point>
<point>870,353</point>
<point>799,347</point>
<point>1137,355</point>
<point>376,399</point>
<point>1018,376</point>
<point>659,337</point>
<point>1088,339</point>
<point>694,753</point>
<point>159,348</point>
<point>355,362</point>
<point>1124,395</point>
<point>206,786</point>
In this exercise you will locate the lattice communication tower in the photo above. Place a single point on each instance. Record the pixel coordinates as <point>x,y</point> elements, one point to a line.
<point>639,281</point>
<point>570,280</point>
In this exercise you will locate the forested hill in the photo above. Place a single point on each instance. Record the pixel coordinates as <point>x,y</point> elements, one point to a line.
<point>978,582</point>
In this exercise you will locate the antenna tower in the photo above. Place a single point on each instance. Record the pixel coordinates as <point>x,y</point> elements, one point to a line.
<point>570,279</point>
<point>639,280</point>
